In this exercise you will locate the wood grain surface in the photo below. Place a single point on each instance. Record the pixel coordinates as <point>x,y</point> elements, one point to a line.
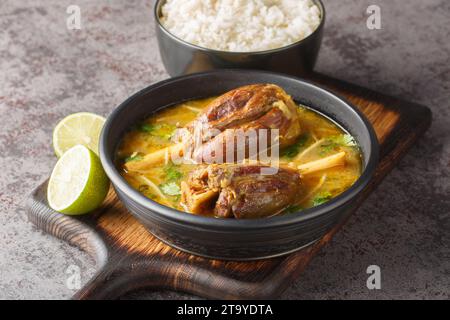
<point>130,258</point>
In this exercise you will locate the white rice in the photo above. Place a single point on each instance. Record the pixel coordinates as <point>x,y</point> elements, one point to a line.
<point>240,25</point>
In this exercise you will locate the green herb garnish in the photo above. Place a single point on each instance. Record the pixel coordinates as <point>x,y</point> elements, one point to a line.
<point>143,188</point>
<point>170,189</point>
<point>293,150</point>
<point>145,127</point>
<point>345,140</point>
<point>292,209</point>
<point>328,146</point>
<point>162,130</point>
<point>322,198</point>
<point>172,173</point>
<point>332,143</point>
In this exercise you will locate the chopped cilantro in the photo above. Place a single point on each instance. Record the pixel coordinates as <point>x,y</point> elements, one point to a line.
<point>345,140</point>
<point>327,146</point>
<point>162,130</point>
<point>293,150</point>
<point>145,127</point>
<point>170,189</point>
<point>332,143</point>
<point>172,173</point>
<point>143,188</point>
<point>292,209</point>
<point>322,198</point>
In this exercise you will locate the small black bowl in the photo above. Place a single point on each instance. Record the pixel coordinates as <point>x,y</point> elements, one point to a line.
<point>229,238</point>
<point>180,57</point>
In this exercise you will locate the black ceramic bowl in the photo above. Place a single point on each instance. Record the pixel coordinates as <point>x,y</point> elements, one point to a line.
<point>180,57</point>
<point>230,238</point>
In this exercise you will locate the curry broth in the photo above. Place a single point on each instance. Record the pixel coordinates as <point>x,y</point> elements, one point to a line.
<point>320,138</point>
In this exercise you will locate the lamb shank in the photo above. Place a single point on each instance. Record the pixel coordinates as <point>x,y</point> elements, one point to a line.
<point>240,191</point>
<point>241,111</point>
<point>252,107</point>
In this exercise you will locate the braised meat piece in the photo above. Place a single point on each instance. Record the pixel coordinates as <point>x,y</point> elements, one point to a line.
<point>240,191</point>
<point>229,129</point>
<point>252,107</point>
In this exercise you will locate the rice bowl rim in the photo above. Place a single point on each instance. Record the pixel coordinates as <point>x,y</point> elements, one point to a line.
<point>159,4</point>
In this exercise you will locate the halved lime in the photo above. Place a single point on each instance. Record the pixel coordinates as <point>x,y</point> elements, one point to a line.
<point>78,128</point>
<point>78,183</point>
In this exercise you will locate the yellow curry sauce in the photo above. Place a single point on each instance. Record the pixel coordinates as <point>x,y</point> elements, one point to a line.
<point>320,138</point>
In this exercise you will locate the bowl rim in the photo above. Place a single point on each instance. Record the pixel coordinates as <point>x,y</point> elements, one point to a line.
<point>156,15</point>
<point>215,224</point>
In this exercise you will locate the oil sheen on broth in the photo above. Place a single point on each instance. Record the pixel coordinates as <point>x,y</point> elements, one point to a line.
<point>320,138</point>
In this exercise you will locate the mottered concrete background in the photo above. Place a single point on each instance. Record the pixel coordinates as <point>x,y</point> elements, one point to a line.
<point>48,72</point>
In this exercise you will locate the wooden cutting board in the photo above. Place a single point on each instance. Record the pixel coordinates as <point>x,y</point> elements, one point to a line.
<point>130,258</point>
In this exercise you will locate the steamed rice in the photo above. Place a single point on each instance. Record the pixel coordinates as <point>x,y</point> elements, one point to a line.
<point>240,25</point>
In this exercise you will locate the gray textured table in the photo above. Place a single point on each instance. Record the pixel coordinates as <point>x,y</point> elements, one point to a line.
<point>48,71</point>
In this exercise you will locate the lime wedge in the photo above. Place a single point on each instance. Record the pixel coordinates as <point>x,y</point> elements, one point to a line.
<point>78,128</point>
<point>78,183</point>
